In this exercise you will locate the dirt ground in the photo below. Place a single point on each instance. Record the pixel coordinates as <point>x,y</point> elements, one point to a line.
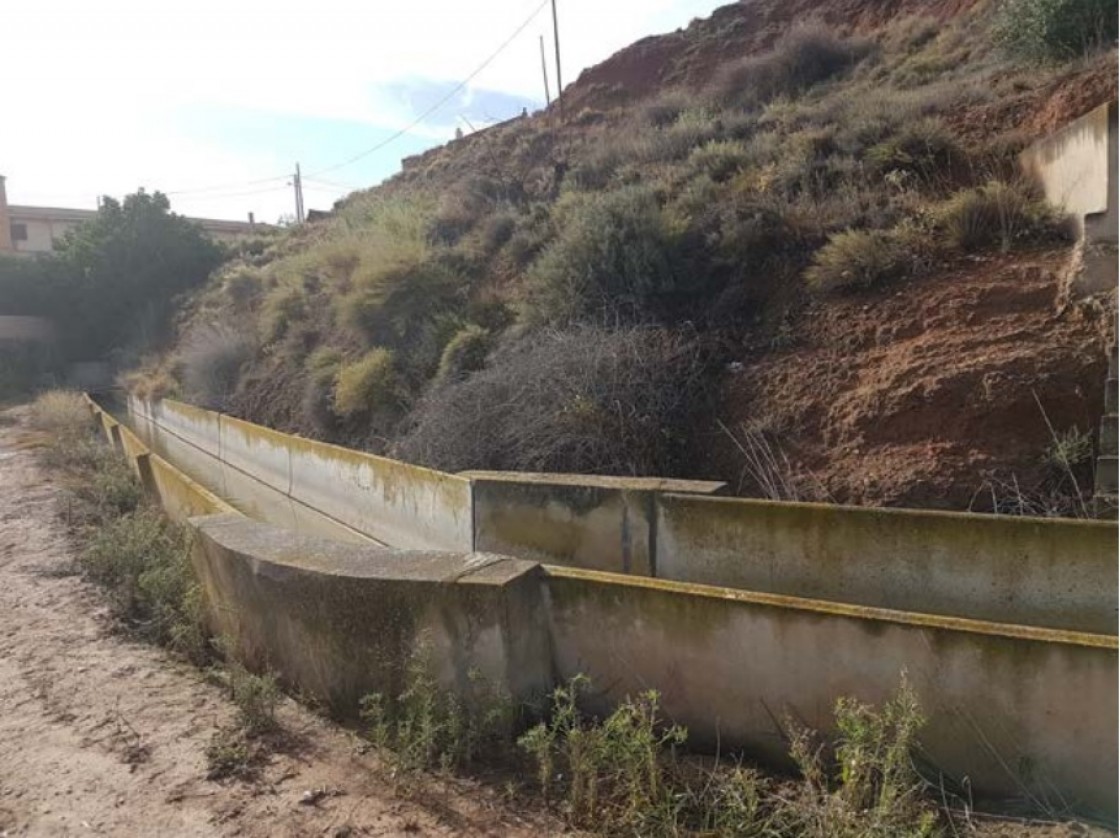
<point>103,736</point>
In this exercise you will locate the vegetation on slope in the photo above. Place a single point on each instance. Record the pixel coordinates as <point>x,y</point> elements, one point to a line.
<point>463,314</point>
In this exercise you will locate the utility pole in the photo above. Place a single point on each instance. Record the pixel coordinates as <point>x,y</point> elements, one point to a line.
<point>559,77</point>
<point>297,182</point>
<point>544,72</point>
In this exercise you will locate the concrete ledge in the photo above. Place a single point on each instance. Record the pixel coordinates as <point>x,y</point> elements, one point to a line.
<point>1026,715</point>
<point>341,621</point>
<point>600,523</point>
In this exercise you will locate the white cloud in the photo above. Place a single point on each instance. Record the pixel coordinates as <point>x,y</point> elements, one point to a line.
<point>111,79</point>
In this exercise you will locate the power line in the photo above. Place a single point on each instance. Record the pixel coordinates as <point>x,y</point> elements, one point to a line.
<point>202,191</point>
<point>219,188</point>
<point>441,102</point>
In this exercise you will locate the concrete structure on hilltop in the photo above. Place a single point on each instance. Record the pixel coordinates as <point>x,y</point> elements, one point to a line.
<point>25,229</point>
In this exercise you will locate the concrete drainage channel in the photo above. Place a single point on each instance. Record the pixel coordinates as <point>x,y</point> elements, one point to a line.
<point>741,613</point>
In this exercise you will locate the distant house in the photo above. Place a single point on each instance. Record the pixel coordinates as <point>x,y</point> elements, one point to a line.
<point>36,229</point>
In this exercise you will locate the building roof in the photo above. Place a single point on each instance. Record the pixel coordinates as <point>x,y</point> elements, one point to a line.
<point>20,212</point>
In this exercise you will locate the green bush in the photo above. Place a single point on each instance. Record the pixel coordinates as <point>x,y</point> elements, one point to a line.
<point>465,353</point>
<point>1055,30</point>
<point>611,261</point>
<point>996,213</point>
<point>368,385</point>
<point>283,307</point>
<point>856,259</point>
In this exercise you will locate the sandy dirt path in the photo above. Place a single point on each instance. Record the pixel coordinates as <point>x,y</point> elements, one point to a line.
<point>103,736</point>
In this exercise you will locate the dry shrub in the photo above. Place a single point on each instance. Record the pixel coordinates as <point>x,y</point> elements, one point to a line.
<point>211,358</point>
<point>925,150</point>
<point>997,213</point>
<point>720,159</point>
<point>856,259</point>
<point>465,353</point>
<point>801,58</point>
<point>367,386</point>
<point>586,400</point>
<point>61,413</point>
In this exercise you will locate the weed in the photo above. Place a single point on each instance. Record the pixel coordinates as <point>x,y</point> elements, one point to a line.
<point>256,697</point>
<point>1069,449</point>
<point>871,790</point>
<point>143,562</point>
<point>426,726</point>
<point>611,775</point>
<point>229,754</point>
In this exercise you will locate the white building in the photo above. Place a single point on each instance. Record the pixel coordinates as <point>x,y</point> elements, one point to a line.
<point>26,229</point>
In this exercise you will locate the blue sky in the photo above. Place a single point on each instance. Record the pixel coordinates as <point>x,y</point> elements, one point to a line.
<point>214,101</point>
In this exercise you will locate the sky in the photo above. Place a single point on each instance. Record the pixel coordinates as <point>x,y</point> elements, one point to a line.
<point>214,101</point>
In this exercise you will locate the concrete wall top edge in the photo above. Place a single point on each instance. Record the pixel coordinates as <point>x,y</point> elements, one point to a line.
<point>971,518</point>
<point>281,547</point>
<point>642,484</point>
<point>857,612</point>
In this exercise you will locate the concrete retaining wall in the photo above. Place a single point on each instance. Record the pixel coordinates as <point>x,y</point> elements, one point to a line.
<point>1040,572</point>
<point>385,500</point>
<point>600,523</point>
<point>340,621</point>
<point>1076,168</point>
<point>1024,714</point>
<point>1058,574</point>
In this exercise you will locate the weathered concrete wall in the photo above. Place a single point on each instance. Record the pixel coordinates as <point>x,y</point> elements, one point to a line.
<point>600,523</point>
<point>1020,712</point>
<point>179,495</point>
<point>397,503</point>
<point>341,621</point>
<point>1076,168</point>
<point>1039,572</point>
<point>385,500</point>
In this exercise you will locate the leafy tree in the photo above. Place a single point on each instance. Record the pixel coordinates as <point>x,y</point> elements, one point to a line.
<point>118,274</point>
<point>1055,30</point>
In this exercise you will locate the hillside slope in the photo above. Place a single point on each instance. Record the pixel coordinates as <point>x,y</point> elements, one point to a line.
<point>784,246</point>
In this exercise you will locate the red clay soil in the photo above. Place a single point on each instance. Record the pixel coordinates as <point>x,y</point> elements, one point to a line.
<point>1041,110</point>
<point>691,56</point>
<point>909,397</point>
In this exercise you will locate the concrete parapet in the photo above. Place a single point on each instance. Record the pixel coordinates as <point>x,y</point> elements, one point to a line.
<point>1014,713</point>
<point>341,621</point>
<point>1030,571</point>
<point>600,523</point>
